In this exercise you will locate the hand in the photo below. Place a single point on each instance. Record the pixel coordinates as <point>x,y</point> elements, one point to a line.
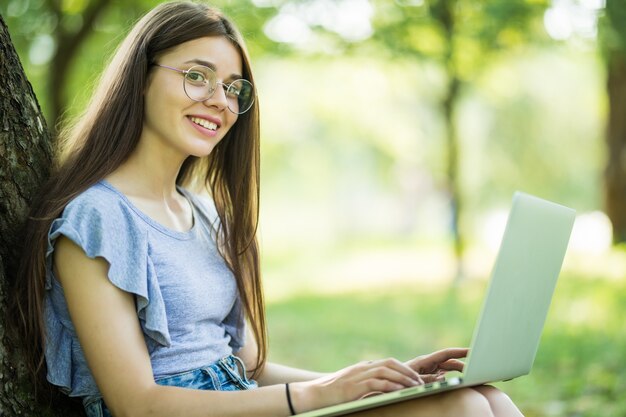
<point>432,367</point>
<point>354,382</point>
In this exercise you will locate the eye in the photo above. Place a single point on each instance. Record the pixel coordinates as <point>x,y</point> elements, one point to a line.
<point>233,91</point>
<point>196,77</point>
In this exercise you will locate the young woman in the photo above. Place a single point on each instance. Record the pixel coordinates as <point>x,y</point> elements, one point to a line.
<point>143,298</point>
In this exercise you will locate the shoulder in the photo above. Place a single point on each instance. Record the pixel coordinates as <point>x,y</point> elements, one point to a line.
<point>98,197</point>
<point>99,206</point>
<point>100,219</point>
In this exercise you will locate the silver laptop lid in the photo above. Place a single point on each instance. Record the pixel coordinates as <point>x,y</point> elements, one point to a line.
<point>506,339</point>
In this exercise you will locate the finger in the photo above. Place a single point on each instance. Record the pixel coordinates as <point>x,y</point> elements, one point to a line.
<point>449,353</point>
<point>428,378</point>
<point>397,366</point>
<point>430,363</point>
<point>392,375</point>
<point>377,385</point>
<point>452,365</point>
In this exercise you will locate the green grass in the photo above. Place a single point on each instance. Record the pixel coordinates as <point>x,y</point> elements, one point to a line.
<point>579,371</point>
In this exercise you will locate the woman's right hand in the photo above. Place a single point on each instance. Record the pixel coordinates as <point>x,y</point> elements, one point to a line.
<point>352,383</point>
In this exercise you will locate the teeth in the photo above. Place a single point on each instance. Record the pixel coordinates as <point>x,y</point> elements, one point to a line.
<point>204,123</point>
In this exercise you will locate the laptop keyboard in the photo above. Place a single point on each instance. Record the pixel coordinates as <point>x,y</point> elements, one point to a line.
<point>431,386</point>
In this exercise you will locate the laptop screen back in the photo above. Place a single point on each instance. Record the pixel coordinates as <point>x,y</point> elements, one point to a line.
<point>506,339</point>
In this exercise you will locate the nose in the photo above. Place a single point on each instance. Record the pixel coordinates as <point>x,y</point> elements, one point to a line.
<point>218,99</point>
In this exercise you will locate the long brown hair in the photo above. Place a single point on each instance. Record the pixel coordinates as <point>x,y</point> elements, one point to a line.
<point>104,136</point>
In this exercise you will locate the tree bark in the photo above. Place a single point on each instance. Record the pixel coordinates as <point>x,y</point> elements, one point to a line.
<point>25,159</point>
<point>615,173</point>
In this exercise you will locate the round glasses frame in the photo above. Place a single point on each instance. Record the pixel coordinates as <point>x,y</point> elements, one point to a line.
<point>232,90</point>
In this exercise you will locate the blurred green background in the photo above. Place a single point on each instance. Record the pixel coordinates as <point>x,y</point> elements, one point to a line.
<point>394,134</point>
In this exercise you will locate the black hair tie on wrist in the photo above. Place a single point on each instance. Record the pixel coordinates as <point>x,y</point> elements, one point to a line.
<point>291,410</point>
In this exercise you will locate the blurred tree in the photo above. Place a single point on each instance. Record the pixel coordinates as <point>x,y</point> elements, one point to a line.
<point>25,155</point>
<point>53,32</point>
<point>614,47</point>
<point>462,36</point>
<point>74,24</point>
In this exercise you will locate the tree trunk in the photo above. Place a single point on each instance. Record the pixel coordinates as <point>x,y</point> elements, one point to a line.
<point>452,170</point>
<point>25,158</point>
<point>615,173</point>
<point>444,13</point>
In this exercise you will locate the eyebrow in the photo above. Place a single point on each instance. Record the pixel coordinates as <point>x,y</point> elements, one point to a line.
<point>213,67</point>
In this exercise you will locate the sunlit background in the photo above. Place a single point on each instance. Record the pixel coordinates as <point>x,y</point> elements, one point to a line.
<point>357,226</point>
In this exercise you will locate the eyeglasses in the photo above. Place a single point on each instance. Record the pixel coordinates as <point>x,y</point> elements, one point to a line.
<point>200,83</point>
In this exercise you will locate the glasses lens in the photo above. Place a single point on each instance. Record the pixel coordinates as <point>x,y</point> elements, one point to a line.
<point>200,82</point>
<point>240,94</point>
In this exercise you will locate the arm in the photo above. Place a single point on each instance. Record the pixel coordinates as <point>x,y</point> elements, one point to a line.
<point>106,323</point>
<point>109,332</point>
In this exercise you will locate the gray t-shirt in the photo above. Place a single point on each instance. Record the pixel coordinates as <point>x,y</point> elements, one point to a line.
<point>186,297</point>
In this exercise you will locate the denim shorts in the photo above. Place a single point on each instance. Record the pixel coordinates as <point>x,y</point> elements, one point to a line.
<point>227,374</point>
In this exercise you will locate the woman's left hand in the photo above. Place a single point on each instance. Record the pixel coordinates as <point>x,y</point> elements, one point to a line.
<point>432,367</point>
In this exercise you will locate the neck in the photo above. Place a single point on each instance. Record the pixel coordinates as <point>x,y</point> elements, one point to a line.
<point>149,172</point>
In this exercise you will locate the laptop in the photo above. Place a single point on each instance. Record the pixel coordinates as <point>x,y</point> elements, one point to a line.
<point>514,311</point>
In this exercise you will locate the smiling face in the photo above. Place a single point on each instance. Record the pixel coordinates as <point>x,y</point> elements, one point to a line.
<point>175,122</point>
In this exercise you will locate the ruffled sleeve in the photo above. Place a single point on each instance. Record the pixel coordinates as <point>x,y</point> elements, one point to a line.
<point>102,226</point>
